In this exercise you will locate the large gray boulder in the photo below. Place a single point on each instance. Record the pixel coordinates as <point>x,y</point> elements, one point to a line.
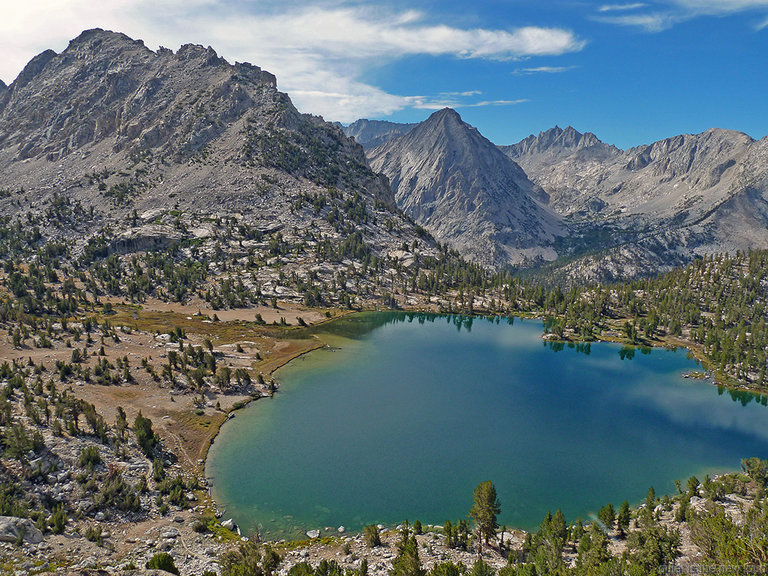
<point>12,528</point>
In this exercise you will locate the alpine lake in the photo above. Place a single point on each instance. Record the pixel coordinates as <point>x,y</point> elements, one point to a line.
<point>401,415</point>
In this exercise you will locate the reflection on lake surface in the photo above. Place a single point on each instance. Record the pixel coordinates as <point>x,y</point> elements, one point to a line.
<point>404,414</point>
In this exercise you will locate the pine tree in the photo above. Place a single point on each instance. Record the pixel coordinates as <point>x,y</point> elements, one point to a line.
<point>623,518</point>
<point>485,509</point>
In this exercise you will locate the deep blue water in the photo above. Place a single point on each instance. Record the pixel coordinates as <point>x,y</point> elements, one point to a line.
<point>408,413</point>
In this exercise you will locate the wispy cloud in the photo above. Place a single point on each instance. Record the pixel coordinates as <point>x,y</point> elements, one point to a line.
<point>310,47</point>
<point>714,7</point>
<point>495,103</point>
<point>762,25</point>
<point>621,7</point>
<point>543,70</point>
<point>655,22</point>
<point>466,93</point>
<point>665,15</point>
<point>425,103</point>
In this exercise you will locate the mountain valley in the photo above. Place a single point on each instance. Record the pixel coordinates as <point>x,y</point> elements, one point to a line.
<point>173,231</point>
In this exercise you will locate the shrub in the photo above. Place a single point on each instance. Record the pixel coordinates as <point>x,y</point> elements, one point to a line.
<point>117,493</point>
<point>89,457</point>
<point>244,561</point>
<point>756,469</point>
<point>158,471</point>
<point>142,428</point>
<point>58,520</point>
<point>371,536</point>
<point>448,569</point>
<point>93,534</point>
<point>301,569</point>
<point>162,561</point>
<point>174,488</point>
<point>203,524</point>
<point>482,569</point>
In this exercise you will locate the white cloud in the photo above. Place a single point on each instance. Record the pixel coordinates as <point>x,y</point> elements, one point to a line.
<point>650,22</point>
<point>677,11</point>
<point>319,54</point>
<point>458,100</point>
<point>422,103</point>
<point>495,103</point>
<point>621,7</point>
<point>762,25</point>
<point>543,70</point>
<point>715,7</point>
<point>465,93</point>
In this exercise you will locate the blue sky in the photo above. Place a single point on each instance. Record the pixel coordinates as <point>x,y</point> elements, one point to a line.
<point>631,72</point>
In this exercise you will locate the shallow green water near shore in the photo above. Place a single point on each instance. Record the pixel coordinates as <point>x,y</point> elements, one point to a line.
<point>406,414</point>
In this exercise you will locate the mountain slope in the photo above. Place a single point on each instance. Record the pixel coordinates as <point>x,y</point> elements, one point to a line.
<point>111,125</point>
<point>111,149</point>
<point>373,133</point>
<point>666,202</point>
<point>467,193</point>
<point>541,156</point>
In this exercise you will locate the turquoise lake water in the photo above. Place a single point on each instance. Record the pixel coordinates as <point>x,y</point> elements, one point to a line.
<point>406,414</point>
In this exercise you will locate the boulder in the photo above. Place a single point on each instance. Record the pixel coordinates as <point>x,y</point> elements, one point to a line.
<point>12,528</point>
<point>229,524</point>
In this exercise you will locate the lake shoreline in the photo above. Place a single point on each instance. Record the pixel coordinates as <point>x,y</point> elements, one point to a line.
<point>486,317</point>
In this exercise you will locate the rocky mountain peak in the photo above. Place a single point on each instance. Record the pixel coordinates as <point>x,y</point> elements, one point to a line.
<point>447,120</point>
<point>105,84</point>
<point>97,45</point>
<point>120,127</point>
<point>32,69</point>
<point>555,140</point>
<point>688,152</point>
<point>372,133</point>
<point>445,114</point>
<point>449,134</point>
<point>207,56</point>
<point>97,36</point>
<point>459,185</point>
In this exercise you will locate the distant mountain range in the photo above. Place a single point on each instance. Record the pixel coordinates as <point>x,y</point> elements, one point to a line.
<point>372,133</point>
<point>618,213</point>
<point>109,136</point>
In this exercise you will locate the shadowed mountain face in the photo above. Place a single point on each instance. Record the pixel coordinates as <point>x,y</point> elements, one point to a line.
<point>113,132</point>
<point>372,133</point>
<point>466,192</point>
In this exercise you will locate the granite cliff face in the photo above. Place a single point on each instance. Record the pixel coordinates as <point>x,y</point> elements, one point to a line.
<point>111,134</point>
<point>459,186</point>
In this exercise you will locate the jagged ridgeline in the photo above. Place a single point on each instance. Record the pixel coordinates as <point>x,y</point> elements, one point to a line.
<point>570,208</point>
<point>648,208</point>
<point>108,98</point>
<point>110,148</point>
